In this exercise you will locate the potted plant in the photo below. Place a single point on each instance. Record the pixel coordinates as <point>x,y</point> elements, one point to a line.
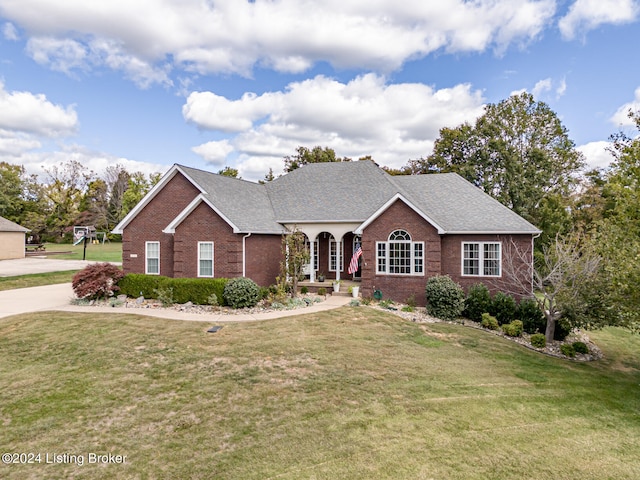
<point>336,286</point>
<point>321,277</point>
<point>355,291</point>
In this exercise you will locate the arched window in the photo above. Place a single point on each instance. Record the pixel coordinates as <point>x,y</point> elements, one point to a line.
<point>400,255</point>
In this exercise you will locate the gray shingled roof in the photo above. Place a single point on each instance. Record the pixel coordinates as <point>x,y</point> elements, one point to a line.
<point>353,192</point>
<point>458,206</point>
<point>9,226</point>
<point>245,204</point>
<point>341,192</point>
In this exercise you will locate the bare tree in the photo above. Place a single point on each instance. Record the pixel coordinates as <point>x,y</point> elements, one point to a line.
<point>563,276</point>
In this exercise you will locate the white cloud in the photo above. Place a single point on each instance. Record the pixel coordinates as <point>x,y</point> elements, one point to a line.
<point>34,114</point>
<point>214,152</point>
<point>13,144</point>
<point>596,154</point>
<point>35,162</point>
<point>10,32</point>
<point>541,87</point>
<point>366,116</point>
<point>621,117</point>
<point>68,55</point>
<point>585,15</point>
<point>288,35</point>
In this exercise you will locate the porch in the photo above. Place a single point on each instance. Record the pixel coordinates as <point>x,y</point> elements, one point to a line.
<point>314,286</point>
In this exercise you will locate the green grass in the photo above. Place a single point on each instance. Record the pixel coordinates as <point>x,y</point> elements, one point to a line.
<point>36,280</point>
<point>353,393</point>
<point>107,252</point>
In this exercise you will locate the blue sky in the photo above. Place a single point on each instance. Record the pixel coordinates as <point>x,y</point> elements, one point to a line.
<point>150,83</point>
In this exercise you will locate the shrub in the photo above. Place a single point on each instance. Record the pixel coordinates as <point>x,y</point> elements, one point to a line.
<point>195,290</point>
<point>567,350</point>
<point>532,317</point>
<point>165,295</point>
<point>98,280</point>
<point>445,298</point>
<point>478,301</point>
<point>241,292</point>
<point>562,330</point>
<point>580,347</point>
<point>503,307</point>
<point>304,290</point>
<point>322,291</point>
<point>538,340</point>
<point>213,300</point>
<point>513,329</point>
<point>489,321</point>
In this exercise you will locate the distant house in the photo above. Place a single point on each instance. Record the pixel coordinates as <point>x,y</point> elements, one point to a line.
<point>195,223</point>
<point>12,239</point>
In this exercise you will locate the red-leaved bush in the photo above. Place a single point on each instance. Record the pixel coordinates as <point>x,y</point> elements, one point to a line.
<point>98,280</point>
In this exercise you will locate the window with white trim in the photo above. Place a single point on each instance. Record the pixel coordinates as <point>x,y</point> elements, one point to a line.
<point>205,259</point>
<point>483,259</point>
<point>315,252</point>
<point>336,252</point>
<point>400,255</point>
<point>152,258</point>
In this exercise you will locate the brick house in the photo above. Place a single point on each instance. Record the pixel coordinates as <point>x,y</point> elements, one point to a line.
<point>195,223</point>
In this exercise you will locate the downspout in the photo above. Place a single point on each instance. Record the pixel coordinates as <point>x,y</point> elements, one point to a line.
<point>244,255</point>
<point>533,260</point>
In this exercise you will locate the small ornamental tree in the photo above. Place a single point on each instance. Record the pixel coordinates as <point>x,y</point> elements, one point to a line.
<point>98,280</point>
<point>296,256</point>
<point>445,298</point>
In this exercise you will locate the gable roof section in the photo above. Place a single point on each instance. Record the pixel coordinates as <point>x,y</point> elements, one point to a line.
<point>460,207</point>
<point>172,172</point>
<point>9,226</point>
<point>342,192</point>
<point>244,205</point>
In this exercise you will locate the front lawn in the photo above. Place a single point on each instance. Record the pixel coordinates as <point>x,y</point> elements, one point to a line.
<point>107,252</point>
<point>36,279</point>
<point>352,393</point>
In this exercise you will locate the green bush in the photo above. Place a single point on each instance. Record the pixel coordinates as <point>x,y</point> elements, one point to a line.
<point>165,295</point>
<point>562,330</point>
<point>532,317</point>
<point>489,321</point>
<point>513,329</point>
<point>503,307</point>
<point>304,290</point>
<point>195,290</point>
<point>538,340</point>
<point>445,298</point>
<point>241,292</point>
<point>567,350</point>
<point>580,347</point>
<point>478,302</point>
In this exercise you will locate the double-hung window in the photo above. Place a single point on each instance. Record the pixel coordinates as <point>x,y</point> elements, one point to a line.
<point>400,255</point>
<point>483,259</point>
<point>152,258</point>
<point>205,259</point>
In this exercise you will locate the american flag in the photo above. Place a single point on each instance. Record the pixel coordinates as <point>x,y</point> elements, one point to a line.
<point>353,265</point>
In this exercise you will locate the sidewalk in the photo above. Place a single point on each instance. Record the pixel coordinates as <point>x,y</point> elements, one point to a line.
<point>58,298</point>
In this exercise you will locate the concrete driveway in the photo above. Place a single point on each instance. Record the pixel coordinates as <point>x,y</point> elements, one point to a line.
<point>35,299</point>
<point>26,266</point>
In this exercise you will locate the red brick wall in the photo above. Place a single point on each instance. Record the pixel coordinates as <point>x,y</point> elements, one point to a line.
<point>149,223</point>
<point>399,287</point>
<point>204,225</point>
<point>263,252</point>
<point>452,262</point>
<point>263,257</point>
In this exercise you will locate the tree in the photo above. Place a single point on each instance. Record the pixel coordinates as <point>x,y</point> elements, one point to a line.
<point>518,152</point>
<point>117,181</point>
<point>11,191</point>
<point>569,281</point>
<point>229,172</point>
<point>296,256</point>
<point>317,154</point>
<point>63,190</point>
<point>138,186</point>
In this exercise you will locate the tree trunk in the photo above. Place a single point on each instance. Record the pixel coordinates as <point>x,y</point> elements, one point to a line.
<point>551,326</point>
